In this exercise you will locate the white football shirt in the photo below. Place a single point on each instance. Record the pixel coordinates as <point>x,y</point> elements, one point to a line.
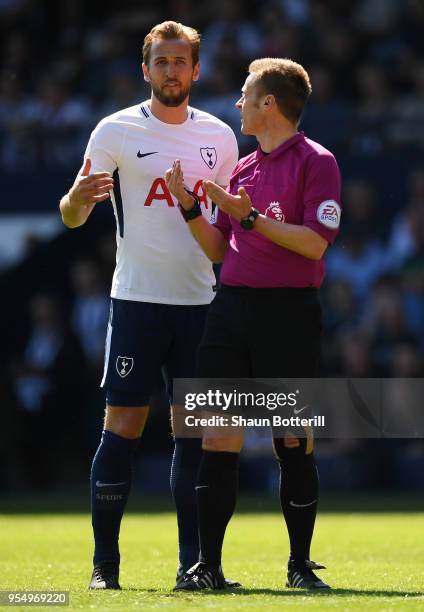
<point>157,258</point>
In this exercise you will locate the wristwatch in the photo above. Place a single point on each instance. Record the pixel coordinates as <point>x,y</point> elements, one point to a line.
<point>248,222</point>
<point>195,211</point>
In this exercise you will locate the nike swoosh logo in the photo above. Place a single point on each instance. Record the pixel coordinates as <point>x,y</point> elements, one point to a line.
<point>201,487</point>
<point>109,484</point>
<point>241,180</point>
<point>144,154</point>
<point>298,410</point>
<point>302,505</point>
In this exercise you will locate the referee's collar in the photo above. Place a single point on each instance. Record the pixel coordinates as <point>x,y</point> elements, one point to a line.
<point>283,147</point>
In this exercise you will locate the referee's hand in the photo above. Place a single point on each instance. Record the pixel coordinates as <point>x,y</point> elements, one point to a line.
<point>236,206</point>
<point>89,189</point>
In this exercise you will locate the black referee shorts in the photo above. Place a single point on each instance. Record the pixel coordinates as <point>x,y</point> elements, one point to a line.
<point>261,333</point>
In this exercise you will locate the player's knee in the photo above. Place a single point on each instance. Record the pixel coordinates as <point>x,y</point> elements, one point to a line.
<point>229,444</point>
<point>125,430</point>
<point>125,422</point>
<point>292,447</point>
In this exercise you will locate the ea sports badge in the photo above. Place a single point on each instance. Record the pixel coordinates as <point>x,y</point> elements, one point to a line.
<point>328,214</point>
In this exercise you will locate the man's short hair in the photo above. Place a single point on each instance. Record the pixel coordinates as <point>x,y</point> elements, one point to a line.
<point>169,30</point>
<point>287,81</point>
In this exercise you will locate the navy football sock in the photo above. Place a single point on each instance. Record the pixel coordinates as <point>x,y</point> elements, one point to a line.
<point>299,500</point>
<point>110,487</point>
<point>184,469</point>
<point>216,490</point>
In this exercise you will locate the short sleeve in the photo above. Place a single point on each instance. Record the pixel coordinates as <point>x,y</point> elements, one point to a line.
<point>230,160</point>
<point>223,223</point>
<point>104,148</point>
<point>222,220</point>
<point>322,188</point>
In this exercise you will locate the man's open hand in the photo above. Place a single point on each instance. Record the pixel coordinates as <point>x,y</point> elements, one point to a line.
<point>89,189</point>
<point>236,206</point>
<point>174,179</point>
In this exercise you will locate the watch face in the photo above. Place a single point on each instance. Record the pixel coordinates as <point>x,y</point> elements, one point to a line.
<point>248,222</point>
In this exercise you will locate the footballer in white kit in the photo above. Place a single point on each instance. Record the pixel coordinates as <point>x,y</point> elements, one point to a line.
<point>158,261</point>
<point>163,282</point>
<point>157,258</point>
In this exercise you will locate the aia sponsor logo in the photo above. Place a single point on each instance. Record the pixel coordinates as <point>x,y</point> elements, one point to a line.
<point>159,192</point>
<point>274,210</point>
<point>328,214</point>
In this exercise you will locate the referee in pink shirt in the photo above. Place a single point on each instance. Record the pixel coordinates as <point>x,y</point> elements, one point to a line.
<point>274,224</point>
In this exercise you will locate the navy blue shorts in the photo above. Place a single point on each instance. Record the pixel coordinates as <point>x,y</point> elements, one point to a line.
<point>148,345</point>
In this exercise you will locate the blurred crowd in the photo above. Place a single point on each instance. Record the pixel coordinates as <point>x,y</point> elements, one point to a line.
<point>374,294</point>
<point>66,65</point>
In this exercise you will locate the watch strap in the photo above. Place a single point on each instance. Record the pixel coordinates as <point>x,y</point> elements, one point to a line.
<point>249,221</point>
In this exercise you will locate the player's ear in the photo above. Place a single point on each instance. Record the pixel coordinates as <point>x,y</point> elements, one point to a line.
<point>145,72</point>
<point>196,72</point>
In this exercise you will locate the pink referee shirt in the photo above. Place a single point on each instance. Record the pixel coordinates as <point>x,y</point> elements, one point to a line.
<point>297,183</point>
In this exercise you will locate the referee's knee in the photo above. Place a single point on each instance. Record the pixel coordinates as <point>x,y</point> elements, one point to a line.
<point>292,446</point>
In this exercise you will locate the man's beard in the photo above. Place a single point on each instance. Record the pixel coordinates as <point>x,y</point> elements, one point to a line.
<point>170,99</point>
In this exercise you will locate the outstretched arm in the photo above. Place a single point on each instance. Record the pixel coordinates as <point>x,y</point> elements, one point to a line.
<point>87,190</point>
<point>297,238</point>
<point>209,237</point>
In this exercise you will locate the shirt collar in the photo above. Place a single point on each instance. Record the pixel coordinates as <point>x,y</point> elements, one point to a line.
<point>283,147</point>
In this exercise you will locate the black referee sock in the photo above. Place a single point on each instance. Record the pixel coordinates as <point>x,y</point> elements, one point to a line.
<point>111,475</point>
<point>184,469</point>
<point>216,490</point>
<point>299,499</point>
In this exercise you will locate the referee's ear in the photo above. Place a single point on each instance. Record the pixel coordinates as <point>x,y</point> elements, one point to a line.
<point>269,101</point>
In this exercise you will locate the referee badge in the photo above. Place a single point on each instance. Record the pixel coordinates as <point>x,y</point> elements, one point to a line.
<point>274,210</point>
<point>124,365</point>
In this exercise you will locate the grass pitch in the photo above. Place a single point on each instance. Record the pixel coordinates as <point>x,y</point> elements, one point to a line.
<point>375,561</point>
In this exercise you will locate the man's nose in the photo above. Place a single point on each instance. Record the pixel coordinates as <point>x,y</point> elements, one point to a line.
<point>170,69</point>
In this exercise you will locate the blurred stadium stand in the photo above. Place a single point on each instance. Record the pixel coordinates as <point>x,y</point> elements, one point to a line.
<point>66,65</point>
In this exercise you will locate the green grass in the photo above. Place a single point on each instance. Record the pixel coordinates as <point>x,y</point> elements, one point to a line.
<point>375,562</point>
